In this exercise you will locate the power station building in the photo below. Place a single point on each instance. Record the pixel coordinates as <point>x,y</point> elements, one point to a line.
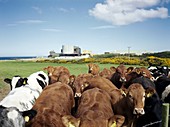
<point>68,50</point>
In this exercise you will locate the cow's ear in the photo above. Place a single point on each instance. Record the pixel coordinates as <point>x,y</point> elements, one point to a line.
<point>112,68</point>
<point>124,91</point>
<point>7,80</point>
<point>25,81</point>
<point>28,115</point>
<point>113,124</point>
<point>44,68</point>
<point>149,92</point>
<point>138,71</point>
<point>116,121</point>
<point>86,85</point>
<point>70,121</point>
<point>72,78</point>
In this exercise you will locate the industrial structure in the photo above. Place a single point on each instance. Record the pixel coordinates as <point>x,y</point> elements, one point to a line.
<point>70,52</point>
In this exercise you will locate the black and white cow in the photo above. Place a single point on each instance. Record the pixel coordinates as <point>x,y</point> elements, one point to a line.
<point>16,81</point>
<point>158,71</point>
<point>12,117</point>
<point>24,97</point>
<point>163,88</point>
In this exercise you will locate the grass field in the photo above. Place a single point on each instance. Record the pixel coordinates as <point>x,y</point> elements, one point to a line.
<point>8,69</point>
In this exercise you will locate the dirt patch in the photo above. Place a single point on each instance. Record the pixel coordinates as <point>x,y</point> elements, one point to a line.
<point>3,92</point>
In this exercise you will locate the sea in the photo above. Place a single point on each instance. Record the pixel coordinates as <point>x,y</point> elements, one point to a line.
<point>17,57</point>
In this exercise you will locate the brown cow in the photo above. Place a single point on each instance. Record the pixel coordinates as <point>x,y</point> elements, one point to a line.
<point>95,110</point>
<point>58,74</point>
<point>136,73</point>
<point>88,81</point>
<point>84,81</point>
<point>54,102</point>
<point>107,73</point>
<point>146,73</point>
<point>93,68</point>
<point>132,105</point>
<point>118,78</point>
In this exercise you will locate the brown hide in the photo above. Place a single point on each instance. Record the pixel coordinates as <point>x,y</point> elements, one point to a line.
<point>86,81</point>
<point>93,69</point>
<point>106,73</point>
<point>116,95</point>
<point>129,78</point>
<point>135,73</point>
<point>55,101</point>
<point>146,73</point>
<point>95,108</point>
<point>58,74</point>
<point>132,105</point>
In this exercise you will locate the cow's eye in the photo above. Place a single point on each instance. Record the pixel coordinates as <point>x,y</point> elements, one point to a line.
<point>130,96</point>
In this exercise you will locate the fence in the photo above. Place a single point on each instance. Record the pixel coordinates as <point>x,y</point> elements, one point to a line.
<point>165,114</point>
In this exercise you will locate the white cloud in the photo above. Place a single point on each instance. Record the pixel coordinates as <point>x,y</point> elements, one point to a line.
<point>63,10</point>
<point>124,12</point>
<point>52,30</point>
<point>31,21</point>
<point>102,27</point>
<point>37,9</point>
<point>66,10</point>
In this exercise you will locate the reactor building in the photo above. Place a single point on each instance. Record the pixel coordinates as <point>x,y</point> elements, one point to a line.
<point>68,50</point>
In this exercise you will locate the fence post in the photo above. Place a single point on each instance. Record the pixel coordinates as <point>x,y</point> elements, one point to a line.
<point>165,114</point>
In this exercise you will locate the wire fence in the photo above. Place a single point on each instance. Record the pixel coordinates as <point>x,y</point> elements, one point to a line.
<point>153,123</point>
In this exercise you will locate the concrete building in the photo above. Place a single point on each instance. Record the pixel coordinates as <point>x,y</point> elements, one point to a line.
<point>68,50</point>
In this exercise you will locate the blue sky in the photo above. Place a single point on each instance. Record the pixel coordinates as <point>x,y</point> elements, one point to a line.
<point>34,27</point>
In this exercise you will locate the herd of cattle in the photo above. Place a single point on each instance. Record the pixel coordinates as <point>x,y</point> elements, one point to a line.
<point>114,97</point>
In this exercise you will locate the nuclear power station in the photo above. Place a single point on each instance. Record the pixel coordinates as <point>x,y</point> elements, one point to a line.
<point>70,52</point>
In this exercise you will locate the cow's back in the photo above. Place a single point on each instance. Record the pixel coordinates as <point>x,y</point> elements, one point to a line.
<point>56,100</point>
<point>95,108</point>
<point>23,98</point>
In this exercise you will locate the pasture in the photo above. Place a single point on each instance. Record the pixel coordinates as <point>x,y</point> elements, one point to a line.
<point>8,69</point>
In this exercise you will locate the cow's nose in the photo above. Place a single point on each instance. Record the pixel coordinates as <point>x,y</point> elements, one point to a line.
<point>77,95</point>
<point>90,71</point>
<point>139,111</point>
<point>123,79</point>
<point>50,74</point>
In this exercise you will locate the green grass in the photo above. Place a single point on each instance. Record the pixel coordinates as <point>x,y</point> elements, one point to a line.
<point>8,69</point>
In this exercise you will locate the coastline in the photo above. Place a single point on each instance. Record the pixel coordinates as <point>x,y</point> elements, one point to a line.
<point>21,58</point>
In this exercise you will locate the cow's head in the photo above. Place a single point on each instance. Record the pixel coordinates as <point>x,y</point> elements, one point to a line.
<point>122,70</point>
<point>146,73</point>
<point>16,81</point>
<point>93,68</point>
<point>140,98</point>
<point>136,98</point>
<point>80,83</point>
<point>49,69</point>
